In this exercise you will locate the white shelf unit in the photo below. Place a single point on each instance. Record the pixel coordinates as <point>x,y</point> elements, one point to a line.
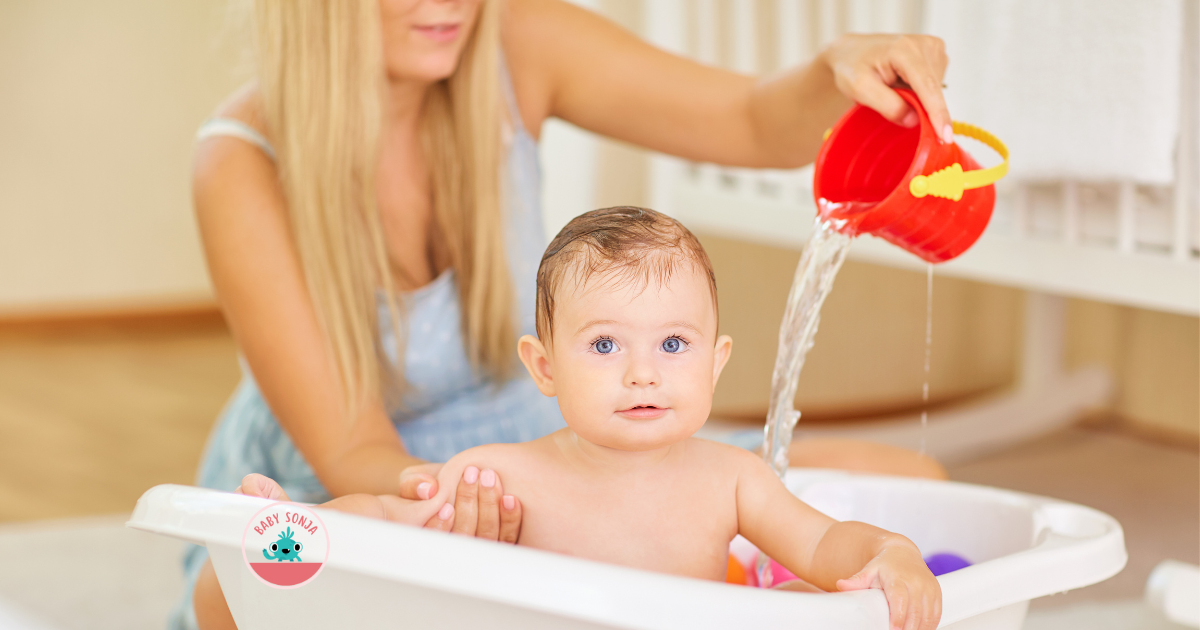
<point>1109,241</point>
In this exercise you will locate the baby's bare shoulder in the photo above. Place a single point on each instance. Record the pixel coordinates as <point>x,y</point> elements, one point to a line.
<point>721,457</point>
<point>495,456</point>
<point>515,465</point>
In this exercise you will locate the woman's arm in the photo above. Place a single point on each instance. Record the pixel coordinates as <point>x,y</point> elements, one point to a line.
<point>863,456</point>
<point>208,600</point>
<point>576,65</point>
<point>256,273</point>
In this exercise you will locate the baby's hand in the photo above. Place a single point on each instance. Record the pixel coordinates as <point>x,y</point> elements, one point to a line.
<point>914,596</point>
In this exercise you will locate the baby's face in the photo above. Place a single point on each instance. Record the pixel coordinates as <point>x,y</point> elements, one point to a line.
<point>632,369</point>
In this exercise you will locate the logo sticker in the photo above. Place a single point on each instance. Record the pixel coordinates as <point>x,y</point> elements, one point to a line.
<point>285,545</point>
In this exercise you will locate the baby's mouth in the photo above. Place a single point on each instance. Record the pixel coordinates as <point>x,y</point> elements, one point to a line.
<point>643,412</point>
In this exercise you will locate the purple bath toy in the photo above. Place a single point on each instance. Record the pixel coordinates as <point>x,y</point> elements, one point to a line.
<point>943,563</point>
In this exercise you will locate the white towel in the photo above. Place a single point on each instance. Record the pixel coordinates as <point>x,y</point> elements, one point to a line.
<point>1078,89</point>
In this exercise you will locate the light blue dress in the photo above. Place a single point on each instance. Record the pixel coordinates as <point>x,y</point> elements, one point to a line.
<point>447,408</point>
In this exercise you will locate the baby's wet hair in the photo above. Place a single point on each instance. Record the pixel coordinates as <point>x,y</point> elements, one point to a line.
<point>627,244</point>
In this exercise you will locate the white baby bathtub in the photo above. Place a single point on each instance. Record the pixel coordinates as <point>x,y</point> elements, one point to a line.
<point>383,575</point>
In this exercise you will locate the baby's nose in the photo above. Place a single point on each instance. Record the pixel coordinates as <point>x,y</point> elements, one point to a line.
<point>645,378</point>
<point>643,374</point>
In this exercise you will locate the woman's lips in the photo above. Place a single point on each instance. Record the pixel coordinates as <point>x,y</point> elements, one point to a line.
<point>643,412</point>
<point>439,32</point>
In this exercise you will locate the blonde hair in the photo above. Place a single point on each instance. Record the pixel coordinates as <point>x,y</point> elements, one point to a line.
<point>322,79</point>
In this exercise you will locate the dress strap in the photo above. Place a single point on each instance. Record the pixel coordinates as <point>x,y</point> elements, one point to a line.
<point>237,129</point>
<point>510,96</point>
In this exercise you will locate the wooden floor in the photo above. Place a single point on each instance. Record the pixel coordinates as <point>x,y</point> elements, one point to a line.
<point>90,417</point>
<point>1152,489</point>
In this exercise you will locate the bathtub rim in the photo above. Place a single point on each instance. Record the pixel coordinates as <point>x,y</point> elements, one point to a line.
<point>1057,561</point>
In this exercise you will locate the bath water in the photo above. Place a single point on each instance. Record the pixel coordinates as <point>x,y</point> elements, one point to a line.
<point>819,264</point>
<point>928,349</point>
<point>850,214</point>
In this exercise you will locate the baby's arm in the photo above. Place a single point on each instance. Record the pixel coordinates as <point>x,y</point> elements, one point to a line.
<point>835,555</point>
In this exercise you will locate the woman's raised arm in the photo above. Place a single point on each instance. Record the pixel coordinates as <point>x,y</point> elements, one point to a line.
<point>576,65</point>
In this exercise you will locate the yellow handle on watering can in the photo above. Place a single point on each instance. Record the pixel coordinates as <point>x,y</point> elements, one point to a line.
<point>950,182</point>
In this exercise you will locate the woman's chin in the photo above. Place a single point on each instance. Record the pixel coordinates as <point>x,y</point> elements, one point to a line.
<point>429,69</point>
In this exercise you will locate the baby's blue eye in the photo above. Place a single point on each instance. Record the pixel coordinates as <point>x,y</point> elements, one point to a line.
<point>673,345</point>
<point>604,346</point>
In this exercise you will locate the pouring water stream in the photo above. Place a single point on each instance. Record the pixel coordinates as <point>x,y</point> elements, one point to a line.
<point>820,261</point>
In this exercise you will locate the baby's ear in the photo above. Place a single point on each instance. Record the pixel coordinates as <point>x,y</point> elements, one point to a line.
<point>721,356</point>
<point>533,354</point>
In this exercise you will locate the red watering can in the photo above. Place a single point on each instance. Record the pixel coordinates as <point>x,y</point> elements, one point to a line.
<point>904,186</point>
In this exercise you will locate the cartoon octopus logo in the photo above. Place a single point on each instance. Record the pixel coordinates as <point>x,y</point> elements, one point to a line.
<point>281,549</point>
<point>280,532</point>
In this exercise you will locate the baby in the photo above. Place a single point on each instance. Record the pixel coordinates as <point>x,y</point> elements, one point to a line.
<point>627,341</point>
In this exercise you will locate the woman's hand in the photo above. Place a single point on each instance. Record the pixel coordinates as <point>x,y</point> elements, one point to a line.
<point>419,482</point>
<point>866,67</point>
<point>256,485</point>
<point>386,507</point>
<point>914,596</point>
<point>481,509</point>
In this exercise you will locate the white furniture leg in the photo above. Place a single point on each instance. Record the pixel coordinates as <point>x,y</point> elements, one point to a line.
<point>1174,590</point>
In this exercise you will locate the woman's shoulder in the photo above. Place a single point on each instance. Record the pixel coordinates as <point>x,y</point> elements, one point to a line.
<point>535,35</point>
<point>245,106</point>
<point>233,164</point>
<point>219,152</point>
<point>235,184</point>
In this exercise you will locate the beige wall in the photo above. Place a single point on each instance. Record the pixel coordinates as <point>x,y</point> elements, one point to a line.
<point>100,101</point>
<point>1154,356</point>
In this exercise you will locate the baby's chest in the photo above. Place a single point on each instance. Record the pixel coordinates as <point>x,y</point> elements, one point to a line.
<point>682,536</point>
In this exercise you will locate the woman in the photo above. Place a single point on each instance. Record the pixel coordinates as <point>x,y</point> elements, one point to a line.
<point>358,207</point>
